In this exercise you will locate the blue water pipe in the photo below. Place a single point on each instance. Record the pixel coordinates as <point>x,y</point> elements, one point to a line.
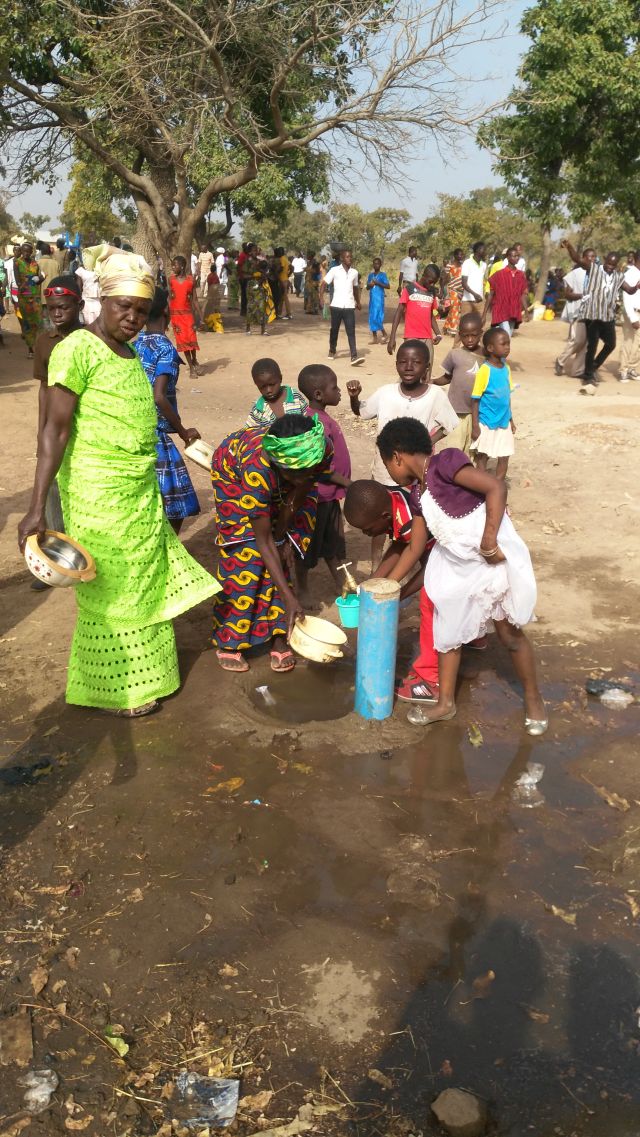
<point>377,642</point>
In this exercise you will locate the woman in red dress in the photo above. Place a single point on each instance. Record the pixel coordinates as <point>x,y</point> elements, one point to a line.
<point>184,311</point>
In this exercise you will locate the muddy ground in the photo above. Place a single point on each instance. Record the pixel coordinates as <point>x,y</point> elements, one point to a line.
<point>348,917</point>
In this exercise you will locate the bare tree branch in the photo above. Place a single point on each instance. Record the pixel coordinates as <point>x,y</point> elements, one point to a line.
<point>147,88</point>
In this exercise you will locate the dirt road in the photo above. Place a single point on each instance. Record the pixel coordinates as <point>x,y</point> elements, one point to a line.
<point>296,898</point>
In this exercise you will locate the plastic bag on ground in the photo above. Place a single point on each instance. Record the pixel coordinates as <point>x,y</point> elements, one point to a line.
<point>206,1101</point>
<point>526,792</point>
<point>40,1086</point>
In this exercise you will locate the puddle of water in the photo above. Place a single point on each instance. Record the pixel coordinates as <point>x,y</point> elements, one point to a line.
<point>316,693</point>
<point>417,866</point>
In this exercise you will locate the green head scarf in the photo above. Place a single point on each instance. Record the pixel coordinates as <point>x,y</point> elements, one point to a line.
<point>299,452</point>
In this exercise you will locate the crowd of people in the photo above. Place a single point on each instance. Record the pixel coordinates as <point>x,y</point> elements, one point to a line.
<point>97,324</point>
<point>592,298</point>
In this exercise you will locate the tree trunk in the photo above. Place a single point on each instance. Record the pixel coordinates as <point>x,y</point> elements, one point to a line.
<point>545,261</point>
<point>143,243</point>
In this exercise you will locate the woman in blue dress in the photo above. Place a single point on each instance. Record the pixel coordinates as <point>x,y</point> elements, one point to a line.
<point>161,363</point>
<point>377,283</point>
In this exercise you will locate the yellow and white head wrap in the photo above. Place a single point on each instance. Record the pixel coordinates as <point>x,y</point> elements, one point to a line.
<point>119,273</point>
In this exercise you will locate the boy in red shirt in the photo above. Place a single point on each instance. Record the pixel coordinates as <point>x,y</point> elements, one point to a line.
<point>378,510</point>
<point>418,305</point>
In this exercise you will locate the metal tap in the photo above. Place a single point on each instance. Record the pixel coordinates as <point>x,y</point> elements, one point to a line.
<point>350,584</point>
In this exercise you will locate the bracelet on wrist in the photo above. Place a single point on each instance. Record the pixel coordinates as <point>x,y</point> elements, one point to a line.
<point>279,544</point>
<point>488,552</point>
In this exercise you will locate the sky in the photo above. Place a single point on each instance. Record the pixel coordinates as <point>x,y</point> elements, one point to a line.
<point>455,170</point>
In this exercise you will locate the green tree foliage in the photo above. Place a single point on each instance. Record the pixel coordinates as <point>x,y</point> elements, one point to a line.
<point>571,138</point>
<point>187,101</point>
<point>90,203</point>
<point>368,235</point>
<point>31,223</point>
<point>606,230</point>
<point>8,226</point>
<point>300,229</point>
<point>489,215</point>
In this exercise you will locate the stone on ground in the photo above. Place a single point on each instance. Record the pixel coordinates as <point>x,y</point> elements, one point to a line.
<point>462,1114</point>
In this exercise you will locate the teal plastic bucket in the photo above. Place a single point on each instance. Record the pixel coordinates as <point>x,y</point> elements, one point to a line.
<point>349,610</point>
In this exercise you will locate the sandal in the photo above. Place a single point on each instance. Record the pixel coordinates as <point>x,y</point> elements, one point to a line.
<point>232,661</point>
<point>282,660</point>
<point>135,712</point>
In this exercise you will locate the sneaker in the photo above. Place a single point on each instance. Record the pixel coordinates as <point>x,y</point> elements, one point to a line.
<point>331,355</point>
<point>588,389</point>
<point>624,377</point>
<point>414,690</point>
<point>356,360</point>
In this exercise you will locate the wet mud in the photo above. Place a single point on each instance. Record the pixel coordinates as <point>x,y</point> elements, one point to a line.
<point>306,901</point>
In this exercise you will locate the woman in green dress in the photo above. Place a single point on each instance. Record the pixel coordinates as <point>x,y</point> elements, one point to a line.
<point>99,436</point>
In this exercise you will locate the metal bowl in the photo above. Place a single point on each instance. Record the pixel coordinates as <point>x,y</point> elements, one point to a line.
<point>64,553</point>
<point>58,560</point>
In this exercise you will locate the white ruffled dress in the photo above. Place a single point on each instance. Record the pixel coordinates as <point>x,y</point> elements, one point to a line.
<point>467,592</point>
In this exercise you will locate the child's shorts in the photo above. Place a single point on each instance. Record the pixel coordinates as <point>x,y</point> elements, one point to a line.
<point>460,438</point>
<point>328,541</point>
<point>496,443</point>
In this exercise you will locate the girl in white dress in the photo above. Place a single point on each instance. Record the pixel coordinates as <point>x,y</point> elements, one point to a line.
<point>479,570</point>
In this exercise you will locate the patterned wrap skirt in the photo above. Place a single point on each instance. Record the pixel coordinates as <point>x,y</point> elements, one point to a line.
<point>178,495</point>
<point>249,611</point>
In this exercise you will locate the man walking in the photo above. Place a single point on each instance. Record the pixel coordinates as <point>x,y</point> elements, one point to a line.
<point>473,273</point>
<point>630,354</point>
<point>299,265</point>
<point>571,359</point>
<point>507,297</point>
<point>408,268</point>
<point>598,310</point>
<point>344,302</point>
<point>205,261</point>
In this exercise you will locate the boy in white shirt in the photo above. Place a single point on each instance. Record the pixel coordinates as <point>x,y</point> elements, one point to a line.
<point>408,269</point>
<point>344,302</point>
<point>473,274</point>
<point>413,397</point>
<point>299,264</point>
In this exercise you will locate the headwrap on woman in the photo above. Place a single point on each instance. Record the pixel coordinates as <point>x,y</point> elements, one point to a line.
<point>120,273</point>
<point>298,451</point>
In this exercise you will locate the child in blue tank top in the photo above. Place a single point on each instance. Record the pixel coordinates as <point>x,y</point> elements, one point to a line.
<point>493,427</point>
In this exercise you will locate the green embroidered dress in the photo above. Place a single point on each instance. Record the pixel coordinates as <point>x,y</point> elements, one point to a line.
<point>123,652</point>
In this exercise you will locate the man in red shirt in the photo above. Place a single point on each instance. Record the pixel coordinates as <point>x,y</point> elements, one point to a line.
<point>507,298</point>
<point>419,305</point>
